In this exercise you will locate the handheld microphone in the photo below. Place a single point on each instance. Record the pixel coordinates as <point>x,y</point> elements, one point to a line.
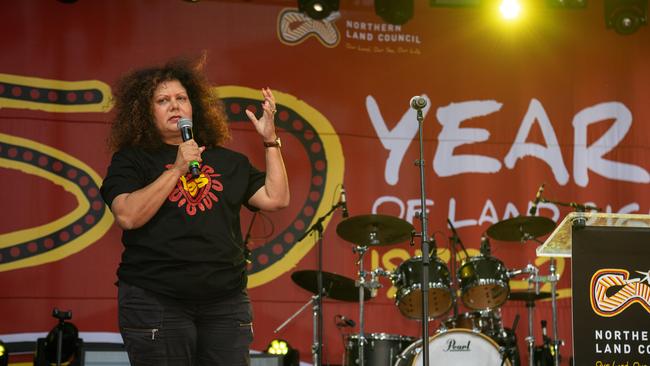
<point>345,322</point>
<point>538,197</point>
<point>418,102</point>
<point>344,203</point>
<point>185,126</point>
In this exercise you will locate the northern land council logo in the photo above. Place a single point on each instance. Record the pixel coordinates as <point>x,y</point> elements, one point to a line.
<point>612,291</point>
<point>294,27</point>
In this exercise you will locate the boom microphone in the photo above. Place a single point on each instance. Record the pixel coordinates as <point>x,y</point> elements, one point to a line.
<point>344,321</point>
<point>418,102</point>
<point>185,126</point>
<point>538,197</point>
<point>344,203</point>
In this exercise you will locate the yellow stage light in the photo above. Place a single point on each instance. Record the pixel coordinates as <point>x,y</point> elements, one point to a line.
<point>282,347</point>
<point>4,355</point>
<point>510,9</point>
<point>278,347</point>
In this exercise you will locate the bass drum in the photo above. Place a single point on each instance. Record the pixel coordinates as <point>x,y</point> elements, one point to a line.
<point>381,349</point>
<point>457,347</point>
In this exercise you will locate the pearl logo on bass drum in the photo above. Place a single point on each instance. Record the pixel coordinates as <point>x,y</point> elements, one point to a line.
<point>451,346</point>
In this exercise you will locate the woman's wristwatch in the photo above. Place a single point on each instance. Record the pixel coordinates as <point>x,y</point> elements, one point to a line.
<point>275,143</point>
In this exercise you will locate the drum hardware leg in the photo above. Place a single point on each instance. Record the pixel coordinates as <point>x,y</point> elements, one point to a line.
<point>506,354</point>
<point>315,346</point>
<point>508,351</point>
<point>530,340</point>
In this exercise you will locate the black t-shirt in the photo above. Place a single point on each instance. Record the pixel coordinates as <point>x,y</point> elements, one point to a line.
<point>192,248</point>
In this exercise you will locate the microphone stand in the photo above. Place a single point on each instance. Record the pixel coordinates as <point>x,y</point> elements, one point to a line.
<point>424,235</point>
<point>317,347</point>
<point>579,207</point>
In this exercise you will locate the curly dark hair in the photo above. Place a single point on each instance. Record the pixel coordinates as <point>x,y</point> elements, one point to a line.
<point>134,125</point>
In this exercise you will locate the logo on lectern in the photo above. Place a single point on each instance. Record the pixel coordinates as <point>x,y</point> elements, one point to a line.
<point>612,291</point>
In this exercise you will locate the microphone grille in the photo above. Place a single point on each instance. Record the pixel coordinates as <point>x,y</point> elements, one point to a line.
<point>184,122</point>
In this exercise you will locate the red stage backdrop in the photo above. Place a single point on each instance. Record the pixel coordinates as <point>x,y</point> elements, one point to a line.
<point>555,99</point>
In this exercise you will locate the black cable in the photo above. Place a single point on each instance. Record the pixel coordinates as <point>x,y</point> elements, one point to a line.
<point>456,238</point>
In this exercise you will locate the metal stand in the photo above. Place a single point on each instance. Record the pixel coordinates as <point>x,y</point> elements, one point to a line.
<point>452,268</point>
<point>424,235</point>
<point>553,278</point>
<point>361,250</point>
<point>314,301</point>
<point>317,349</point>
<point>530,339</point>
<point>62,316</point>
<point>530,306</point>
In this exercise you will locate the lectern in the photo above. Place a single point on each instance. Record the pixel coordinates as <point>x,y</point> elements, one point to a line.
<point>610,284</point>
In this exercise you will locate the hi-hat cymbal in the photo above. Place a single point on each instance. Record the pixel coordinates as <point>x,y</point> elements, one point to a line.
<point>334,286</point>
<point>371,230</point>
<point>528,295</point>
<point>521,228</point>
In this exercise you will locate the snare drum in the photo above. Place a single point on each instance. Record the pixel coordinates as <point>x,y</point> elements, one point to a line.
<point>484,282</point>
<point>457,347</point>
<point>381,349</point>
<point>407,279</point>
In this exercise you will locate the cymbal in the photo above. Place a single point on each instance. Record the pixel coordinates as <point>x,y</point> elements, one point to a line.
<point>522,227</point>
<point>371,230</point>
<point>528,295</point>
<point>335,286</point>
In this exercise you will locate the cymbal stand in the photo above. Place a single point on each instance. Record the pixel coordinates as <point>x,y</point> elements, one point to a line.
<point>553,279</point>
<point>315,301</point>
<point>361,284</point>
<point>318,227</point>
<point>530,306</point>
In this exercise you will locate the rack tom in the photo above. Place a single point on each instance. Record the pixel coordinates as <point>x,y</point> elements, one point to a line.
<point>408,280</point>
<point>484,282</point>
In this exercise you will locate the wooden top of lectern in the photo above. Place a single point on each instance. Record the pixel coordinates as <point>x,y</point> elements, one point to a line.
<point>558,244</point>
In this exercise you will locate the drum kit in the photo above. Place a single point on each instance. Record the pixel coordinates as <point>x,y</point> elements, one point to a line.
<point>428,289</point>
<point>481,283</point>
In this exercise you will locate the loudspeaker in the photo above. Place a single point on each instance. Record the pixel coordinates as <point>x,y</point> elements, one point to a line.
<point>263,359</point>
<point>113,354</point>
<point>104,354</point>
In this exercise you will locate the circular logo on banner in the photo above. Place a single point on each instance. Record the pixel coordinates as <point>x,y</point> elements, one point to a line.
<point>323,149</point>
<point>90,219</point>
<point>67,235</point>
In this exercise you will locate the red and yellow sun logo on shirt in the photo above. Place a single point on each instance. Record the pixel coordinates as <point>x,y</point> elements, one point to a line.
<point>197,193</point>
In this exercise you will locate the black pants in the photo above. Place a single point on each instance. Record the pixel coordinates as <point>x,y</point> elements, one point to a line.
<point>162,331</point>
